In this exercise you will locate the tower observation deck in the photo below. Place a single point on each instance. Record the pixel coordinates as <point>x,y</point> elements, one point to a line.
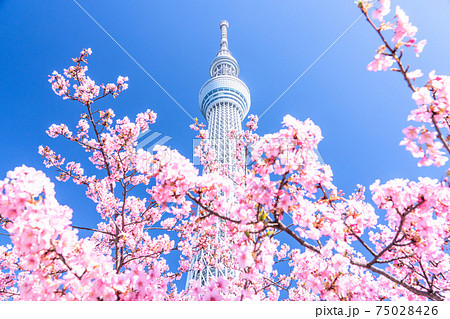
<point>224,101</point>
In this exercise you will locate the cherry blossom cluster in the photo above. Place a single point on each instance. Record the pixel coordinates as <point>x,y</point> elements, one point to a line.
<point>50,246</point>
<point>333,270</point>
<point>426,141</point>
<point>429,141</point>
<point>121,260</point>
<point>85,89</point>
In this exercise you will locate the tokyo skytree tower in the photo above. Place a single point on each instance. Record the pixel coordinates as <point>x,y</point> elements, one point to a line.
<point>224,101</point>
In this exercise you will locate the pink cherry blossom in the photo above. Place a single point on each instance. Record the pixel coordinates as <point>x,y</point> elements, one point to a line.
<point>403,27</point>
<point>422,96</point>
<point>411,132</point>
<point>427,137</point>
<point>418,48</point>
<point>381,62</point>
<point>414,74</point>
<point>383,10</point>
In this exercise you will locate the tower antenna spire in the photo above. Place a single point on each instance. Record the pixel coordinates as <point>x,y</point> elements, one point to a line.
<point>224,38</point>
<point>223,35</point>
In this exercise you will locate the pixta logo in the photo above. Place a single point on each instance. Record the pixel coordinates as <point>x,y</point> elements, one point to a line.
<point>149,139</point>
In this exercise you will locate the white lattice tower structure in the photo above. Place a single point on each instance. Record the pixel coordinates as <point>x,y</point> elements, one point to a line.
<point>224,101</point>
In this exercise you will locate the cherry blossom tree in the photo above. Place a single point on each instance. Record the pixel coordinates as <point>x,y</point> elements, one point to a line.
<point>287,231</point>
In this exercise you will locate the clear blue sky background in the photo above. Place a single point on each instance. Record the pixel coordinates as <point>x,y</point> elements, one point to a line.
<point>361,113</point>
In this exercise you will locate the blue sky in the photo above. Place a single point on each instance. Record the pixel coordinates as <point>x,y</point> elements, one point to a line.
<point>361,114</point>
